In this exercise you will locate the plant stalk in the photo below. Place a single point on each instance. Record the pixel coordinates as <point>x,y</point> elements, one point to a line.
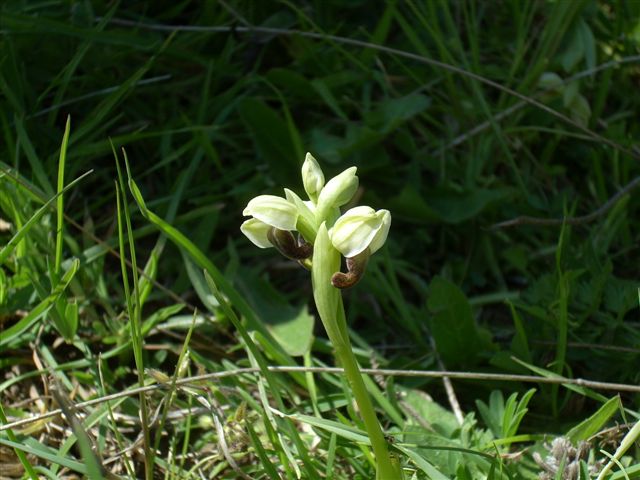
<point>344,355</point>
<point>326,261</point>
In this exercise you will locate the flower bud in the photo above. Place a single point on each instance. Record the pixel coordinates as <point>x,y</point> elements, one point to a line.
<point>274,211</point>
<point>360,228</point>
<point>338,191</point>
<point>312,177</point>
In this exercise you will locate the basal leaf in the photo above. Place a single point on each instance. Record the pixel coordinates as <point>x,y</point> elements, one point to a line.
<point>455,206</point>
<point>452,324</point>
<point>290,325</point>
<point>271,135</point>
<point>595,422</point>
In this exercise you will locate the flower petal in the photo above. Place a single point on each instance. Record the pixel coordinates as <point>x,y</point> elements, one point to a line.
<point>256,231</point>
<point>274,211</point>
<point>383,231</point>
<point>355,230</point>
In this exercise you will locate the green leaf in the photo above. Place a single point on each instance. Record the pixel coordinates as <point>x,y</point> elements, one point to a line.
<point>265,461</point>
<point>410,205</point>
<point>290,325</point>
<point>69,327</point>
<point>89,457</point>
<point>493,413</point>
<point>198,282</point>
<point>4,288</point>
<point>273,140</point>
<point>628,473</point>
<point>321,88</point>
<point>35,448</point>
<point>26,465</point>
<point>292,82</point>
<point>514,412</point>
<point>60,199</point>
<point>350,433</point>
<point>269,377</point>
<point>574,49</point>
<point>589,42</point>
<point>423,464</point>
<point>198,257</point>
<point>569,386</point>
<point>294,332</point>
<point>20,234</point>
<point>627,442</point>
<point>595,422</point>
<point>34,315</point>
<point>455,206</point>
<point>551,81</point>
<point>441,420</point>
<point>395,111</point>
<point>519,343</point>
<point>327,146</point>
<point>452,324</point>
<point>580,110</point>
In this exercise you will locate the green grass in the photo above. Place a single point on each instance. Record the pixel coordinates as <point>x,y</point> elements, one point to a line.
<point>133,135</point>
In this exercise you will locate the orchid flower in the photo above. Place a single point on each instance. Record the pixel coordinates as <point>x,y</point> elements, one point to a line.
<point>325,235</point>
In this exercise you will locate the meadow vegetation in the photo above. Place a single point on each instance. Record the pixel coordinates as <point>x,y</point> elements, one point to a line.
<point>143,336</point>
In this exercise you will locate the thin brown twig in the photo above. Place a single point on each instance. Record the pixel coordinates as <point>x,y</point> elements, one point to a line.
<point>235,13</point>
<point>453,399</point>
<point>590,346</point>
<point>552,222</point>
<point>448,388</point>
<point>192,381</point>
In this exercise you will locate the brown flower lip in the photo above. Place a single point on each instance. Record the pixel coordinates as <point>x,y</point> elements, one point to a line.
<point>356,267</point>
<point>285,242</point>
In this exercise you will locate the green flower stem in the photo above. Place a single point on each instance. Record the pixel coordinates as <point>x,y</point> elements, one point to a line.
<point>326,261</point>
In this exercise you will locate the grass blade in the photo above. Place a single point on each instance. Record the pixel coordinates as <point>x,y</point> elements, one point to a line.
<point>36,165</point>
<point>33,447</point>
<point>20,234</point>
<point>627,442</point>
<point>19,453</point>
<point>60,199</point>
<point>595,422</point>
<point>134,312</point>
<point>268,376</point>
<point>11,333</point>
